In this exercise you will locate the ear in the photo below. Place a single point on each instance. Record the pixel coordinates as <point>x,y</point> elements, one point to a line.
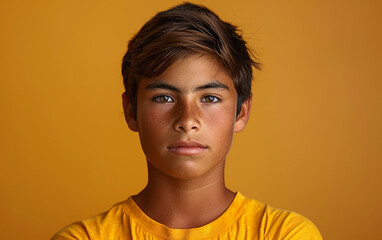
<point>242,118</point>
<point>129,113</point>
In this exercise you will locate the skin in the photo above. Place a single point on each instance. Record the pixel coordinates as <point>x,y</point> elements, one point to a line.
<point>186,118</point>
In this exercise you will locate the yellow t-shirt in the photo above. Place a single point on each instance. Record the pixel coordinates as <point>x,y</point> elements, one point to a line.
<point>244,219</point>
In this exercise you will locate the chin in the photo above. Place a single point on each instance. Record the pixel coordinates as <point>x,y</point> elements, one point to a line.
<point>186,167</point>
<point>188,170</point>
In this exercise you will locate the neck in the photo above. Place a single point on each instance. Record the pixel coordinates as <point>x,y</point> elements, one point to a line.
<point>184,203</point>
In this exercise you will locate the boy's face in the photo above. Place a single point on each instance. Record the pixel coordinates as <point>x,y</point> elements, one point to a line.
<point>186,117</point>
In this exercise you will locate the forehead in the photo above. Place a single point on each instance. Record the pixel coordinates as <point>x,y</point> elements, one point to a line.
<point>192,71</point>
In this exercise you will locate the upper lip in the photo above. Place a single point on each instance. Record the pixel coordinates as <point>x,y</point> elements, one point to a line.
<point>187,144</point>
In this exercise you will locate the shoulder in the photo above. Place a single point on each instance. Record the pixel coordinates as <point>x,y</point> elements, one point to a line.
<point>274,223</point>
<point>97,227</point>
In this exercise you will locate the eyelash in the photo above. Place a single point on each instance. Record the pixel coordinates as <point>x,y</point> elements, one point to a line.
<point>168,99</point>
<point>215,99</point>
<point>156,99</point>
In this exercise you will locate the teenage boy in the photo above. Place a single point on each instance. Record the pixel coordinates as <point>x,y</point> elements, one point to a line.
<point>188,77</point>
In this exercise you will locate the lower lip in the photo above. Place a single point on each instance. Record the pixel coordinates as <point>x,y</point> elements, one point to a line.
<point>187,150</point>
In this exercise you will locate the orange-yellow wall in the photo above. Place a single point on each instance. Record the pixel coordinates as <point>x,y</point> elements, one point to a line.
<point>313,143</point>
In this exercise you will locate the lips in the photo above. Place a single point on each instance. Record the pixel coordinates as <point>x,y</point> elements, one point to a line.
<point>187,148</point>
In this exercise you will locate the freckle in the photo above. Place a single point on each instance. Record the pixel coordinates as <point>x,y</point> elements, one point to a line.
<point>178,111</point>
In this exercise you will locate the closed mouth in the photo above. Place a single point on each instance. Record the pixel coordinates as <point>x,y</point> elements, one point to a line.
<point>187,148</point>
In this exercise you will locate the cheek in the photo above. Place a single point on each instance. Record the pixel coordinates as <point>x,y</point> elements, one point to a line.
<point>148,117</point>
<point>220,127</point>
<point>222,118</point>
<point>152,123</point>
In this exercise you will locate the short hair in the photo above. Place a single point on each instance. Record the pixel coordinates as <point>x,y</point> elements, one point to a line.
<point>184,30</point>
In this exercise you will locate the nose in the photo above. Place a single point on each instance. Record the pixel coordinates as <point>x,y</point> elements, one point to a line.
<point>187,117</point>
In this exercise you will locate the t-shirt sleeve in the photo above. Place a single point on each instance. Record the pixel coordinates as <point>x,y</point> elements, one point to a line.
<point>297,227</point>
<point>106,225</point>
<point>75,231</point>
<point>277,224</point>
<point>305,230</point>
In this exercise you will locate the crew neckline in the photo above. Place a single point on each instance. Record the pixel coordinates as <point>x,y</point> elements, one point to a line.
<point>214,228</point>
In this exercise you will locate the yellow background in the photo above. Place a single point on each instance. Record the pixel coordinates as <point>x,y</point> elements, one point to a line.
<point>313,143</point>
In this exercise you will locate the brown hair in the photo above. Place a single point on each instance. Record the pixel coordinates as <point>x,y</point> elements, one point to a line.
<point>181,31</point>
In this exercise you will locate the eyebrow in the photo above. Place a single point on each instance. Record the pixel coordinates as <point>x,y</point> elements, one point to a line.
<point>158,85</point>
<point>214,84</point>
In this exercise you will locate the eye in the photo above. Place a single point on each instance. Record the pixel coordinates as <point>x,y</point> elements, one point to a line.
<point>210,99</point>
<point>163,99</point>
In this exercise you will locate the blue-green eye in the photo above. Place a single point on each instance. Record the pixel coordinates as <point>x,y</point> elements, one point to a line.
<point>163,99</point>
<point>210,99</point>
